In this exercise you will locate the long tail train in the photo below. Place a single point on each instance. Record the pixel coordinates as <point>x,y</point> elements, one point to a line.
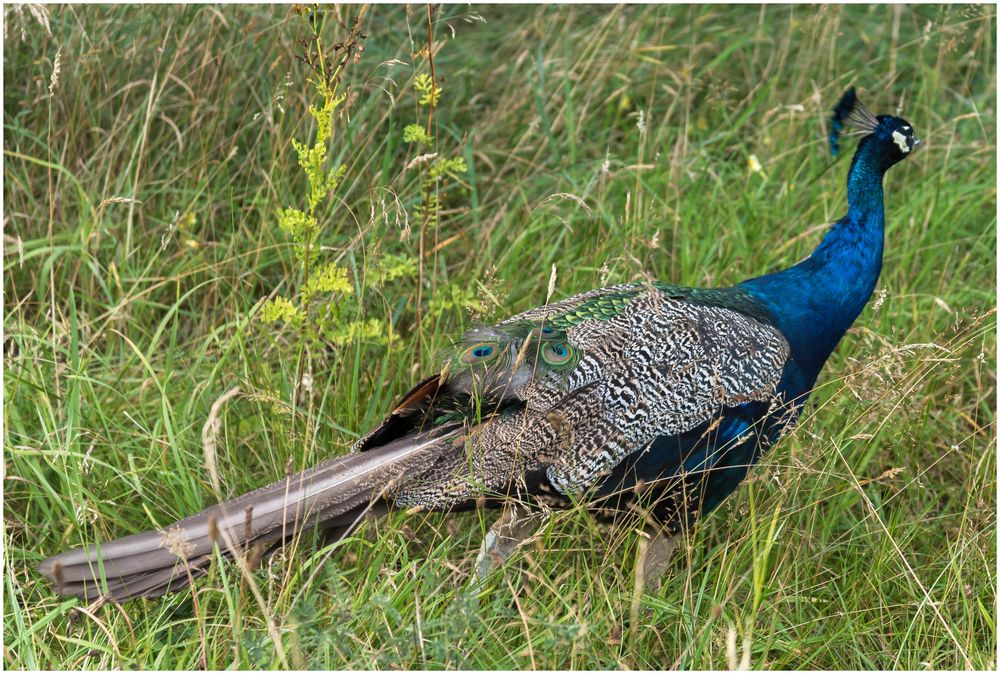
<point>334,494</point>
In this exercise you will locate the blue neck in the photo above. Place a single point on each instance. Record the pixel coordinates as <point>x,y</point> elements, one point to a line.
<point>817,300</point>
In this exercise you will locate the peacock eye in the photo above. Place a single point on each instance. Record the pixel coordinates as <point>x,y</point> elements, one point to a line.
<point>557,354</point>
<point>478,353</point>
<point>545,332</point>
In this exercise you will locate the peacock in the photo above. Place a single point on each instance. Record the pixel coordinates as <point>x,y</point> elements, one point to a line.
<point>637,398</point>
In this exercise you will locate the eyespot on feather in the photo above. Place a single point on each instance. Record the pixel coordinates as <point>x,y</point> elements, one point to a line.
<point>557,354</point>
<point>479,353</point>
<point>545,332</point>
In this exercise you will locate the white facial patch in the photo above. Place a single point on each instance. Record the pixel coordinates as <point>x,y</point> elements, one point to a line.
<point>900,140</point>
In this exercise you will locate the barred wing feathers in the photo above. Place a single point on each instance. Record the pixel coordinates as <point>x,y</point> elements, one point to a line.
<point>649,361</point>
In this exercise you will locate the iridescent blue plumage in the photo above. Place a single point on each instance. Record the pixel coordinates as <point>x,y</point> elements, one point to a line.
<point>817,300</point>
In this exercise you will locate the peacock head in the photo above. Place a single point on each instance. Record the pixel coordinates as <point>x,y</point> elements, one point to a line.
<point>886,139</point>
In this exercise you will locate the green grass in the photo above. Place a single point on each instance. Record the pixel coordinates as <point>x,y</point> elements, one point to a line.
<point>866,540</point>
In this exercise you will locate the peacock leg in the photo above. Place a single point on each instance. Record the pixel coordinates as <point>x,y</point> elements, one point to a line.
<point>511,529</point>
<point>656,548</point>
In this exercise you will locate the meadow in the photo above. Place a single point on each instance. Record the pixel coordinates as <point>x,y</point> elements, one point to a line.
<point>148,154</point>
